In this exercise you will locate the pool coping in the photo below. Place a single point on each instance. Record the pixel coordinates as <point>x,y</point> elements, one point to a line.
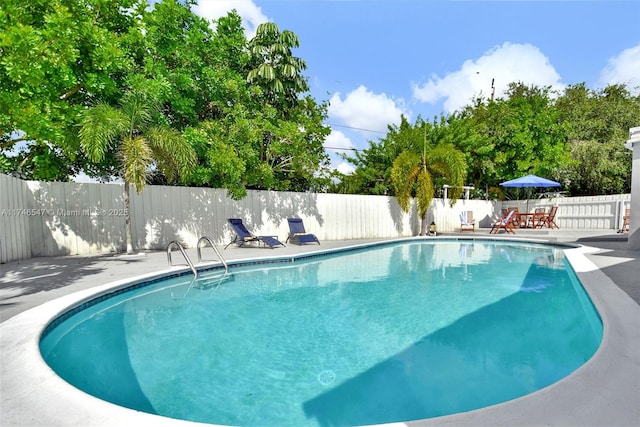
<point>604,391</point>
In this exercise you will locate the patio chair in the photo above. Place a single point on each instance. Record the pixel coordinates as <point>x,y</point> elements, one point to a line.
<point>549,219</point>
<point>537,221</point>
<point>467,222</point>
<point>506,223</point>
<point>515,222</point>
<point>297,233</point>
<point>625,221</point>
<point>244,236</point>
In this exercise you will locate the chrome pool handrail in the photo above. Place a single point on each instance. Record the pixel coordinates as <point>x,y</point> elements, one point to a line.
<point>184,254</point>
<point>206,240</point>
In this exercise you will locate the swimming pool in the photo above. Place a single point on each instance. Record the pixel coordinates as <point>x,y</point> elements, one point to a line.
<point>495,320</point>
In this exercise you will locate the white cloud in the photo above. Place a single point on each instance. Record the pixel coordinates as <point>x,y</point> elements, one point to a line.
<point>338,142</point>
<point>623,68</point>
<point>251,14</point>
<point>505,64</point>
<point>364,110</point>
<point>345,168</point>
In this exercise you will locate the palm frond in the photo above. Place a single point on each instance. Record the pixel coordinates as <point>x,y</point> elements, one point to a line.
<point>136,157</point>
<point>424,191</point>
<point>99,127</point>
<point>404,171</point>
<point>446,160</point>
<point>173,154</point>
<point>139,108</point>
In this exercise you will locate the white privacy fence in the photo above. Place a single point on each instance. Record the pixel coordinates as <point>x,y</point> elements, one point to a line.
<point>594,212</point>
<point>53,218</point>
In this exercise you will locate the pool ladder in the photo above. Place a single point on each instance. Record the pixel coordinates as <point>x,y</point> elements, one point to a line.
<point>206,240</point>
<point>203,239</point>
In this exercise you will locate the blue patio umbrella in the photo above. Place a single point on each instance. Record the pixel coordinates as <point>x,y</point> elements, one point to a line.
<point>528,182</point>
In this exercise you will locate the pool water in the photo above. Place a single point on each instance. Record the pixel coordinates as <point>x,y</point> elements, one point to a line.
<point>390,333</point>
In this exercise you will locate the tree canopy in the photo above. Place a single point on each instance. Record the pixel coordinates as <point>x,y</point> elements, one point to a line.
<point>575,137</point>
<point>57,57</point>
<point>241,104</point>
<point>597,123</point>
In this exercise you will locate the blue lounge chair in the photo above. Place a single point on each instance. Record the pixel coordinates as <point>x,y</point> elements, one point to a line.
<point>243,235</point>
<point>297,233</point>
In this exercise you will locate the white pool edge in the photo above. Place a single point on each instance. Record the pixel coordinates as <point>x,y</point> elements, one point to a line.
<point>604,391</point>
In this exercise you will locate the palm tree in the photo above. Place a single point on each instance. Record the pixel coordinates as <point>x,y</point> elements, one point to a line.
<point>140,144</point>
<point>413,173</point>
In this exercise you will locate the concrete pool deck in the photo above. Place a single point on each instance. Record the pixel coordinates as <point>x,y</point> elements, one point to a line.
<point>603,392</point>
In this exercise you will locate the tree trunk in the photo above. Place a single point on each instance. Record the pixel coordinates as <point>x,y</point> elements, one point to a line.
<point>127,220</point>
<point>423,224</point>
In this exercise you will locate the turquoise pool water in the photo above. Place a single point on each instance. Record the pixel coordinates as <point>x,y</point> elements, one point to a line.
<point>396,332</point>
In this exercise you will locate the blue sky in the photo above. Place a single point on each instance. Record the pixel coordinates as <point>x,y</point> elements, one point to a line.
<point>377,59</point>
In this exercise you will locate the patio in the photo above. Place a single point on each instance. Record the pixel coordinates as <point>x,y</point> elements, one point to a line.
<point>605,391</point>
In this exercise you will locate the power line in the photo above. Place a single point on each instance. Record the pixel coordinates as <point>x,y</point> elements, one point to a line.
<point>362,129</point>
<point>342,149</point>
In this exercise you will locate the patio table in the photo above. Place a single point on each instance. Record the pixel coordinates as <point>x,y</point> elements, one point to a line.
<point>523,220</point>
